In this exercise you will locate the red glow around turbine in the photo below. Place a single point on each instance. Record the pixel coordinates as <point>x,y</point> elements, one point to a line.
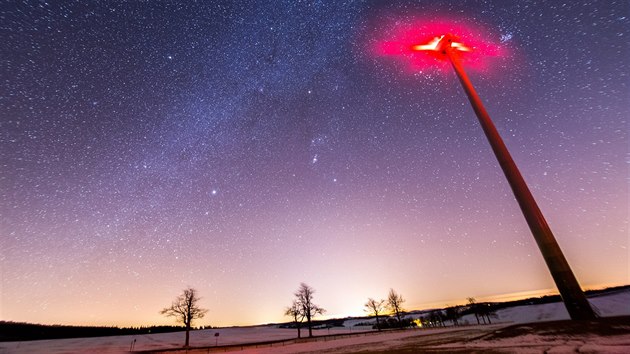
<point>415,41</point>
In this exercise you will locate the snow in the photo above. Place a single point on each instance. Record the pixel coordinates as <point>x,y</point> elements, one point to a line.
<point>447,339</point>
<point>533,343</point>
<point>413,339</point>
<point>617,304</point>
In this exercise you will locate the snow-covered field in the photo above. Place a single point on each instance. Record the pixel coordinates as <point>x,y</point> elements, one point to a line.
<point>448,339</point>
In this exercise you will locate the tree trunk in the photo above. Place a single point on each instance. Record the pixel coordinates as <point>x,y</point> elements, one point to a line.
<point>187,336</point>
<point>310,327</point>
<point>378,325</point>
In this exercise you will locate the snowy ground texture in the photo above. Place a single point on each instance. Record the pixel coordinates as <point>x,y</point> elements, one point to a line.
<point>516,330</point>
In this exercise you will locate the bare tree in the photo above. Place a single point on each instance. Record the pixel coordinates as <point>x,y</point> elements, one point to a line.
<point>295,311</point>
<point>304,298</point>
<point>186,309</point>
<point>453,313</point>
<point>472,305</point>
<point>374,307</point>
<point>394,304</point>
<point>486,310</point>
<point>437,318</point>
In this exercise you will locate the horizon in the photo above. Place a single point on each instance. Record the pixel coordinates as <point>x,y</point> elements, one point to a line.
<point>436,305</point>
<point>243,148</point>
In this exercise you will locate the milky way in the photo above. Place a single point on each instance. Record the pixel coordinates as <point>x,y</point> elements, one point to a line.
<point>242,148</point>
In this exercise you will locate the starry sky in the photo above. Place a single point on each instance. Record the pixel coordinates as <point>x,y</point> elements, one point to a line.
<point>244,147</point>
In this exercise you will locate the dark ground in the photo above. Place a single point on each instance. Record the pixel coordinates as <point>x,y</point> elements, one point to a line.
<point>542,334</point>
<point>541,337</point>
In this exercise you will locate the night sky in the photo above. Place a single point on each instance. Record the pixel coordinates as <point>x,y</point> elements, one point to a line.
<point>244,147</point>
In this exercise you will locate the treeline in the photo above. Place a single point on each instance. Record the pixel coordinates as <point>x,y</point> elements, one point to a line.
<point>317,324</point>
<point>16,331</point>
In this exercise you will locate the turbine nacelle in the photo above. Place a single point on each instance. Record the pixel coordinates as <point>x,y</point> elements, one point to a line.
<point>439,46</point>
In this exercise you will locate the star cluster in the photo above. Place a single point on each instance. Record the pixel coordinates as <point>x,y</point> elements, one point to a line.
<point>244,147</point>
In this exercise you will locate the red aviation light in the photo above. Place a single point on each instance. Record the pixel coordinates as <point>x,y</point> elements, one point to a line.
<point>421,44</point>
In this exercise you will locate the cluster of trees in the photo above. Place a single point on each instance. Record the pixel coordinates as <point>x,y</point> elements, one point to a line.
<point>392,305</point>
<point>481,310</point>
<point>438,318</point>
<point>304,309</point>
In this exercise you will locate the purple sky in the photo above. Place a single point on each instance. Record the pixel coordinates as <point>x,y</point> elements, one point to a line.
<point>244,148</point>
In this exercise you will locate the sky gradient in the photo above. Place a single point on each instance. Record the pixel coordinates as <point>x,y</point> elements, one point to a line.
<point>244,148</point>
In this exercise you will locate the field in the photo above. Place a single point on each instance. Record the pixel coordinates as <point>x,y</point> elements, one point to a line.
<point>522,329</point>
